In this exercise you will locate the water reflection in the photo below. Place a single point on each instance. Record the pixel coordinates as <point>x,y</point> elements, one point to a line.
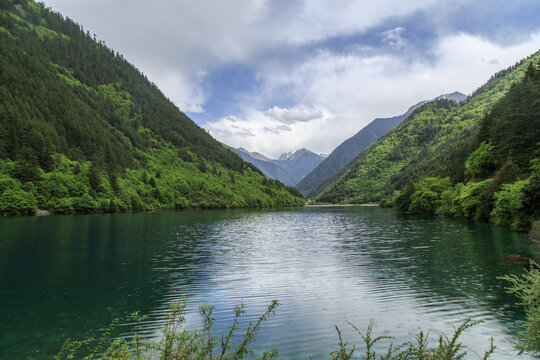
<point>70,275</point>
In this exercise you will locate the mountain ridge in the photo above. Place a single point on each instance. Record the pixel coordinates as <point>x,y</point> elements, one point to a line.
<point>268,168</point>
<point>433,141</point>
<point>83,131</point>
<point>500,172</point>
<point>344,153</point>
<point>289,168</point>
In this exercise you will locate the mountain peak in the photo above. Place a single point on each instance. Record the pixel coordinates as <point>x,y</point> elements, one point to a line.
<point>295,155</point>
<point>456,96</point>
<point>285,156</point>
<point>254,154</point>
<point>290,167</point>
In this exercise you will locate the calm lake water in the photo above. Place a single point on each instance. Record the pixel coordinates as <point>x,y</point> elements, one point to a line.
<point>69,276</point>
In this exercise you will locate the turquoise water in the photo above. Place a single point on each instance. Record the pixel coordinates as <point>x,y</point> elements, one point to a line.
<point>69,276</point>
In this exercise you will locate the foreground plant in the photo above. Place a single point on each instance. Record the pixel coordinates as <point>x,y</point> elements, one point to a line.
<point>527,289</point>
<point>176,343</point>
<point>449,348</point>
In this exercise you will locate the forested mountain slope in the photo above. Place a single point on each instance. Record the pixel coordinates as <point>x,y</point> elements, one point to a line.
<point>345,152</point>
<point>341,156</point>
<point>82,130</point>
<point>502,174</point>
<point>433,141</point>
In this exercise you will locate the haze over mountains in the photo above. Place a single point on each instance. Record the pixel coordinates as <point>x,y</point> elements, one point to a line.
<point>290,168</point>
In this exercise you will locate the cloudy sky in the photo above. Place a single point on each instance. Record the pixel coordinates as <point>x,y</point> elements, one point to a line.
<point>277,75</point>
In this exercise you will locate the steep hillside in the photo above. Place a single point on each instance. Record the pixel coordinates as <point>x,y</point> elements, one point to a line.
<point>324,174</point>
<point>345,152</point>
<point>82,130</point>
<point>502,174</point>
<point>433,141</point>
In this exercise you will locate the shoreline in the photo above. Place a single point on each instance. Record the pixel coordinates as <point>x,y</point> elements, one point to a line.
<point>341,205</point>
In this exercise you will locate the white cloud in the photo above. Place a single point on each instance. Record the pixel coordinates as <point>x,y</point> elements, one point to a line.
<point>244,132</point>
<point>172,40</point>
<point>231,118</point>
<point>354,89</point>
<point>183,90</point>
<point>393,38</point>
<point>294,115</point>
<point>177,43</point>
<point>277,129</point>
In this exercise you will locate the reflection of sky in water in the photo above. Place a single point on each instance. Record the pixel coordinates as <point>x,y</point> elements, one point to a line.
<point>326,266</point>
<point>329,267</point>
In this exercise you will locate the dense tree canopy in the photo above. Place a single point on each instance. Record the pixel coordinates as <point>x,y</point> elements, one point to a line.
<point>437,138</point>
<point>82,130</point>
<point>503,172</point>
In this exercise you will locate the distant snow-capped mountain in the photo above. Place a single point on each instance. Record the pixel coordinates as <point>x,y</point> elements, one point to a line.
<point>290,168</point>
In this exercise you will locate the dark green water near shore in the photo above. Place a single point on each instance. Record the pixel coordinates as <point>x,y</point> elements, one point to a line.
<point>69,276</point>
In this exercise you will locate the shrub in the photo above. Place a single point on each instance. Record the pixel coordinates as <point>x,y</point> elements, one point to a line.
<point>447,199</point>
<point>63,206</point>
<point>530,205</point>
<point>507,202</point>
<point>17,202</point>
<point>464,205</point>
<point>481,162</point>
<point>508,173</point>
<point>386,202</point>
<point>85,204</point>
<point>527,289</point>
<point>449,348</point>
<point>427,197</point>
<point>534,234</point>
<point>425,202</point>
<point>402,201</point>
<point>175,343</point>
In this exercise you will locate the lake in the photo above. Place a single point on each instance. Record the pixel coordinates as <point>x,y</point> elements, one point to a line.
<point>69,276</point>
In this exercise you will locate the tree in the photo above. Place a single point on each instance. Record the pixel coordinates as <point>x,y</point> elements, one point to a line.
<point>481,162</point>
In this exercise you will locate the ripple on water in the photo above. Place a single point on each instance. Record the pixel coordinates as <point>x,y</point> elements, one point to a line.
<point>326,266</point>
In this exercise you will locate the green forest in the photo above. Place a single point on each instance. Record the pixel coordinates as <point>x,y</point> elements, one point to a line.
<point>502,174</point>
<point>83,131</point>
<point>479,159</point>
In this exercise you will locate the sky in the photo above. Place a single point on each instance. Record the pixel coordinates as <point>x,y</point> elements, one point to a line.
<point>275,76</point>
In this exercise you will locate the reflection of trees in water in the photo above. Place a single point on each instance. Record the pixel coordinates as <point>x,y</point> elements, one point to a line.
<point>71,275</point>
<point>446,260</point>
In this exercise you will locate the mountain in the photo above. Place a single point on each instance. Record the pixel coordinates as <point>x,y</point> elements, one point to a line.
<point>267,166</point>
<point>324,174</point>
<point>434,140</point>
<point>82,131</point>
<point>289,168</point>
<point>456,96</point>
<point>299,164</point>
<point>501,173</point>
<point>254,155</point>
